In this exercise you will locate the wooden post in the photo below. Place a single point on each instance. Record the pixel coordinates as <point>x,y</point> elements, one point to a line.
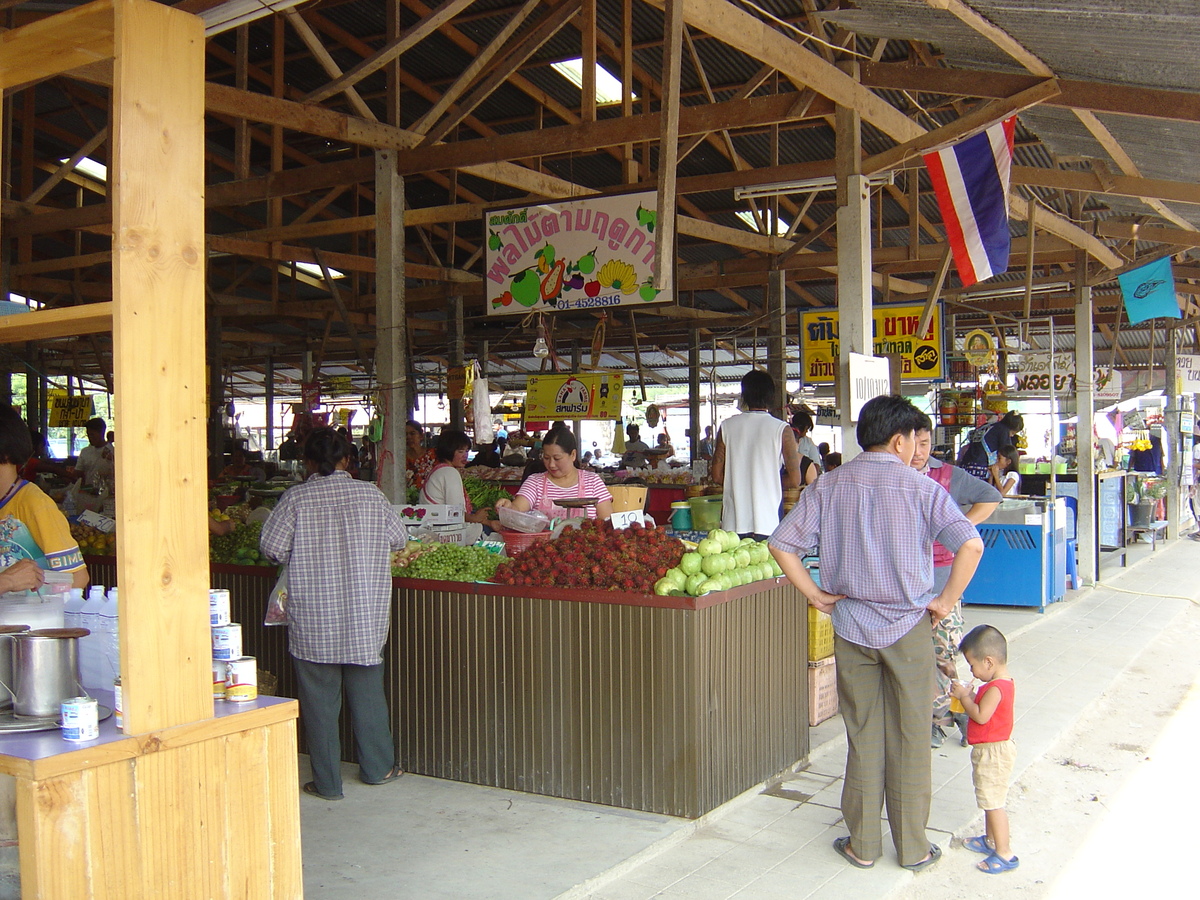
<point>391,327</point>
<point>1086,543</point>
<point>694,393</point>
<point>158,309</point>
<point>854,261</point>
<point>457,357</point>
<point>269,388</point>
<point>1170,436</point>
<point>668,146</point>
<point>777,337</point>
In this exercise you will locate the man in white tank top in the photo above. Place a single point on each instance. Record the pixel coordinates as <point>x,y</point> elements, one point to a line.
<point>751,449</point>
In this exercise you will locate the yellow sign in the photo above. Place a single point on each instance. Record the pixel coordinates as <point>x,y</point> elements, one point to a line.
<point>894,334</point>
<point>596,396</point>
<point>460,381</point>
<point>979,348</point>
<point>70,411</point>
<point>339,385</point>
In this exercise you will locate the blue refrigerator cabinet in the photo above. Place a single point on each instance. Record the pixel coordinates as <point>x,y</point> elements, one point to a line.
<point>1024,555</point>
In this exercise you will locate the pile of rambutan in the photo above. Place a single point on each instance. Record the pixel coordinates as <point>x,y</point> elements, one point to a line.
<point>596,556</point>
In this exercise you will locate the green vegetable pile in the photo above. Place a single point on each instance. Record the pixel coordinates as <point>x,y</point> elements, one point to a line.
<point>451,562</point>
<point>239,547</point>
<point>484,494</point>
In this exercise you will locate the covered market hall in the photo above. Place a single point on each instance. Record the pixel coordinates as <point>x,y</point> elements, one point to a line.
<point>227,222</point>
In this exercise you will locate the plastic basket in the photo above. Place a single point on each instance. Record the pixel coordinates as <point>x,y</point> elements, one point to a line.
<point>517,541</point>
<point>706,512</point>
<point>822,691</point>
<point>820,635</point>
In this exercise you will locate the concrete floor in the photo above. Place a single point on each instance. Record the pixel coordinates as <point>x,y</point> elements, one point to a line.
<point>427,838</point>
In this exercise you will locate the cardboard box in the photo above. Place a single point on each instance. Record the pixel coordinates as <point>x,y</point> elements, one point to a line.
<point>820,635</point>
<point>431,514</point>
<point>822,691</point>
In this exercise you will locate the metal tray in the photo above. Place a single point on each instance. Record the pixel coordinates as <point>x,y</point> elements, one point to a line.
<point>12,724</point>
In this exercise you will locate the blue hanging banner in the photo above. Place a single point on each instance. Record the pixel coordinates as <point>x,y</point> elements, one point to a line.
<point>1149,291</point>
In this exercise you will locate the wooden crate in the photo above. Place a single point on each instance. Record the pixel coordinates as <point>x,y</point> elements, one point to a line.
<point>822,690</point>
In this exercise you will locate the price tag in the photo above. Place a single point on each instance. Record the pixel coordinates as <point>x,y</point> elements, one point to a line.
<point>97,521</point>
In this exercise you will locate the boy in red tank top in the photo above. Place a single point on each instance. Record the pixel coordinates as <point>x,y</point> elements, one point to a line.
<point>989,731</point>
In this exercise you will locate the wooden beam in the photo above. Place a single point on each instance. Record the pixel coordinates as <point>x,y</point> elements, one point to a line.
<point>47,324</point>
<point>57,44</point>
<point>993,33</point>
<point>1116,185</point>
<point>409,38</point>
<point>1130,231</point>
<point>668,151</point>
<point>1096,96</point>
<point>317,49</point>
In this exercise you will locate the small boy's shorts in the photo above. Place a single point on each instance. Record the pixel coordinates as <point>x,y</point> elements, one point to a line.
<point>991,771</point>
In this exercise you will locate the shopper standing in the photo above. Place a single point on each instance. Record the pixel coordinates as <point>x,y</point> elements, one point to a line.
<point>874,520</point>
<point>751,448</point>
<point>336,535</point>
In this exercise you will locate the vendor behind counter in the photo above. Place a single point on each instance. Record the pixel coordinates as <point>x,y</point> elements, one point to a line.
<point>562,480</point>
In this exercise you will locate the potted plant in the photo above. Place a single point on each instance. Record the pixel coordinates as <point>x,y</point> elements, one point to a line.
<point>1142,495</point>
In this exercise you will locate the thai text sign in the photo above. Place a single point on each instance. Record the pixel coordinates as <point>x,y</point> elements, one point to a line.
<point>578,254</point>
<point>1034,376</point>
<point>870,376</point>
<point>893,334</point>
<point>70,411</point>
<point>574,396</point>
<point>1187,374</point>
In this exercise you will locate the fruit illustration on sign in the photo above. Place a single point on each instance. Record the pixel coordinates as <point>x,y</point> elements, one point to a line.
<point>503,300</point>
<point>526,288</point>
<point>494,242</point>
<point>545,258</point>
<point>648,291</point>
<point>618,275</point>
<point>592,288</point>
<point>587,263</point>
<point>552,284</point>
<point>574,283</point>
<point>647,218</point>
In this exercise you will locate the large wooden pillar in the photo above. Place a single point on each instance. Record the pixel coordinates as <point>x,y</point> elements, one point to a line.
<point>696,426</point>
<point>391,326</point>
<point>854,263</point>
<point>777,338</point>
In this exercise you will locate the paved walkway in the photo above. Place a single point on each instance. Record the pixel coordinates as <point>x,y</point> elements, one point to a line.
<point>425,838</point>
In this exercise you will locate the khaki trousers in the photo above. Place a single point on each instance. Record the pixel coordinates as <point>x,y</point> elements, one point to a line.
<point>885,697</point>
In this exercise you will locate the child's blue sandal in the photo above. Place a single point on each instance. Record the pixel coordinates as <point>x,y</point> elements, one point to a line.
<point>979,845</point>
<point>994,865</point>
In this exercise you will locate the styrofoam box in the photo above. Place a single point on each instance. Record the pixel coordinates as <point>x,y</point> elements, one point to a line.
<point>822,690</point>
<point>435,514</point>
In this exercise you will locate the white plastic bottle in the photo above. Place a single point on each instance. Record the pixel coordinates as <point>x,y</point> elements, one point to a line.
<point>90,653</point>
<point>107,640</point>
<point>71,612</point>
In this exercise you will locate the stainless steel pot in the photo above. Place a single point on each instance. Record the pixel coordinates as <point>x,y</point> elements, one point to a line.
<point>6,662</point>
<point>45,670</point>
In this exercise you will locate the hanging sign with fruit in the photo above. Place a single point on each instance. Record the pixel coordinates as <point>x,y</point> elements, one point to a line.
<point>578,254</point>
<point>574,396</point>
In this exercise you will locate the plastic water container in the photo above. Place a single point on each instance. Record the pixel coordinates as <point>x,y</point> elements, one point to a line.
<point>90,647</point>
<point>108,641</point>
<point>71,610</point>
<point>706,512</point>
<point>531,522</point>
<point>30,608</point>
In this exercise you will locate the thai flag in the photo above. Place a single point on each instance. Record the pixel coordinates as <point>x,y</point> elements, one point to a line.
<point>971,180</point>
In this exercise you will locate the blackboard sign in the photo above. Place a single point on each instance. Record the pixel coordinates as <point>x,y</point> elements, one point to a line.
<point>1111,508</point>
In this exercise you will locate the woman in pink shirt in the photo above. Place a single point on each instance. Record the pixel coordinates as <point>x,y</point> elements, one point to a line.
<point>562,480</point>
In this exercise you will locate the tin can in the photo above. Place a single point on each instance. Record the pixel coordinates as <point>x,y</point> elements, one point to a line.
<point>241,679</point>
<point>118,710</point>
<point>80,719</point>
<point>218,607</point>
<point>227,642</point>
<point>218,679</point>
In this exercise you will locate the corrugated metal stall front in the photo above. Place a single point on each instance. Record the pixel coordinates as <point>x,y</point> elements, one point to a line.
<point>662,709</point>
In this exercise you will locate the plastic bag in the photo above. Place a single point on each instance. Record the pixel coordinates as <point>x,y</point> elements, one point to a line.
<point>481,405</point>
<point>277,601</point>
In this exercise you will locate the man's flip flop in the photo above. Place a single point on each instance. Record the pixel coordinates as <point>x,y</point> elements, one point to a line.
<point>994,865</point>
<point>390,776</point>
<point>979,845</point>
<point>842,846</point>
<point>311,789</point>
<point>935,853</point>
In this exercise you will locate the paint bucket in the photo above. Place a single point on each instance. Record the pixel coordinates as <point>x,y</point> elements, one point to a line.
<point>218,607</point>
<point>227,641</point>
<point>6,662</point>
<point>80,719</point>
<point>218,679</point>
<point>241,679</point>
<point>45,670</point>
<point>681,515</point>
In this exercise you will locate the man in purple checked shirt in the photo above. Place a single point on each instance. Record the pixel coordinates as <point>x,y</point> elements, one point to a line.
<point>873,521</point>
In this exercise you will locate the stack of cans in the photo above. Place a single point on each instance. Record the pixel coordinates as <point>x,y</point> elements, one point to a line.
<point>235,677</point>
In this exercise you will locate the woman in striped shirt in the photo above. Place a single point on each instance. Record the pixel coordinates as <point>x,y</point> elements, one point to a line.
<point>562,480</point>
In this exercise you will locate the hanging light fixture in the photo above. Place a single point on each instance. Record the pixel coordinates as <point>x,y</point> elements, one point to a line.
<point>540,348</point>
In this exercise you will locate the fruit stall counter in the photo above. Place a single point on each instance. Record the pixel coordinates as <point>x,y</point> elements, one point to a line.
<point>659,703</point>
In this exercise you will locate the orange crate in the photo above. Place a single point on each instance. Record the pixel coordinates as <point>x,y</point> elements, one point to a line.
<point>820,635</point>
<point>822,691</point>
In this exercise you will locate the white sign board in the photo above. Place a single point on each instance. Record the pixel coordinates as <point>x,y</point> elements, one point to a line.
<point>1187,374</point>
<point>1033,375</point>
<point>869,377</point>
<point>587,253</point>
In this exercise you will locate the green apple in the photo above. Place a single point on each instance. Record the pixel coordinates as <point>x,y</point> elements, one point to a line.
<point>775,570</point>
<point>709,547</point>
<point>662,587</point>
<point>694,582</point>
<point>711,584</point>
<point>742,555</point>
<point>731,540</point>
<point>690,563</point>
<point>713,565</point>
<point>676,576</point>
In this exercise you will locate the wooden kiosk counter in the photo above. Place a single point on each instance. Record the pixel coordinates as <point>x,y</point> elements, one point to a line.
<point>667,704</point>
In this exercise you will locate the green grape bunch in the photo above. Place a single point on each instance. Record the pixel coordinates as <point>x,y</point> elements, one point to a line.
<point>451,562</point>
